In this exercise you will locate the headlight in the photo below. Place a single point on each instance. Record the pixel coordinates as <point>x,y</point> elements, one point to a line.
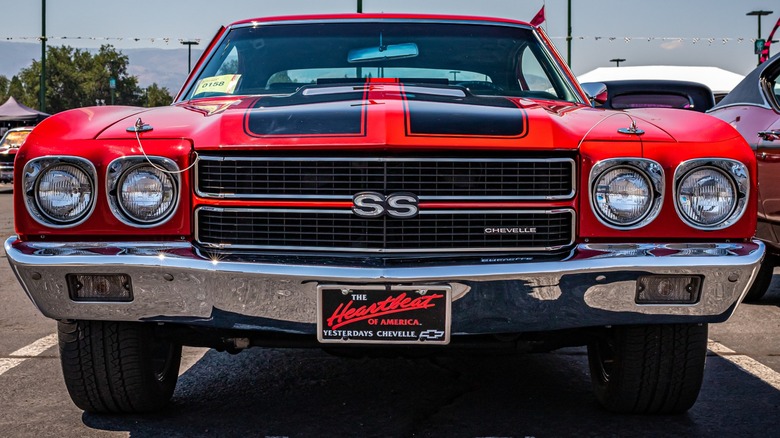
<point>146,194</point>
<point>706,196</point>
<point>623,192</point>
<point>59,191</point>
<point>143,193</point>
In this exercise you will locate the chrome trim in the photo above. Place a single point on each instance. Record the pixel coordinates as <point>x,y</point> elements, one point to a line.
<point>120,166</point>
<point>739,176</point>
<point>384,250</point>
<point>565,79</point>
<point>596,285</point>
<point>651,170</point>
<point>33,170</point>
<point>738,104</point>
<point>210,195</point>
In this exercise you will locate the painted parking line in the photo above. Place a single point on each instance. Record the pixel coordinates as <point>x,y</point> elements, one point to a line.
<point>35,349</point>
<point>190,358</point>
<point>747,363</point>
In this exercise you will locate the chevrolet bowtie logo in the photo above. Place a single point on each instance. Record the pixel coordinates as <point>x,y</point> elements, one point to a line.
<point>431,334</point>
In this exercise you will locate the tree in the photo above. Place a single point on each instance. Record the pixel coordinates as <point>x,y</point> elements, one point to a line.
<point>16,89</point>
<point>157,96</point>
<point>4,83</point>
<point>77,78</point>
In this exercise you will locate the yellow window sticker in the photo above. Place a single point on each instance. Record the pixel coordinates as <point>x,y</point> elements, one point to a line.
<point>218,84</point>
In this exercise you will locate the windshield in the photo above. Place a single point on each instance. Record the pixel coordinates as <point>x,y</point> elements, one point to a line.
<point>13,139</point>
<point>281,58</point>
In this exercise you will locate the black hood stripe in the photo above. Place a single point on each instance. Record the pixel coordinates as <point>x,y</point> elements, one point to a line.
<point>467,116</point>
<point>319,115</point>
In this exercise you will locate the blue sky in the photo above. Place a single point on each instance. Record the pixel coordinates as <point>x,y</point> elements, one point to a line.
<point>662,32</point>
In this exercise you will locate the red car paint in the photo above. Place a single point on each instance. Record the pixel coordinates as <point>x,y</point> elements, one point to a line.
<point>333,170</point>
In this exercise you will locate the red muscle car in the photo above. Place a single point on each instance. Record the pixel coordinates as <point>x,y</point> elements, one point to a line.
<point>374,182</point>
<point>753,108</point>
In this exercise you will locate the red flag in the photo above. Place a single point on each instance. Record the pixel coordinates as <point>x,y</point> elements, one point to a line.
<point>538,18</point>
<point>768,43</point>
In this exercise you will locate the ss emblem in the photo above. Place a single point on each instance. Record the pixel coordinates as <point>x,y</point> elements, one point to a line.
<point>401,205</point>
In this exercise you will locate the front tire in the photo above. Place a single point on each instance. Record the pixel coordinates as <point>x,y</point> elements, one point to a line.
<point>117,367</point>
<point>654,369</point>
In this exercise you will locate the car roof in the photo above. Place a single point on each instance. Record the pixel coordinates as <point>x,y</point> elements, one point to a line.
<point>359,17</point>
<point>749,91</point>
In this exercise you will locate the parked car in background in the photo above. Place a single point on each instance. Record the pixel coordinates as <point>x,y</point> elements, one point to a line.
<point>651,93</point>
<point>753,108</point>
<point>374,183</point>
<point>9,145</point>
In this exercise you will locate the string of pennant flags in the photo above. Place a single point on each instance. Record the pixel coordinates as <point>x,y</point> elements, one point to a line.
<point>692,40</point>
<point>626,39</point>
<point>165,40</point>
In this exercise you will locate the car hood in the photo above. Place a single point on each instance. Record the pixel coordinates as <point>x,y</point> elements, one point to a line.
<point>396,117</point>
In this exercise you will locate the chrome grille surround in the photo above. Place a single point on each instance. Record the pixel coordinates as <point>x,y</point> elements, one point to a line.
<point>482,179</point>
<point>282,194</point>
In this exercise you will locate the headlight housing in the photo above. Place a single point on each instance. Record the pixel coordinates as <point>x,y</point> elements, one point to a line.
<point>711,194</point>
<point>143,193</point>
<point>60,191</point>
<point>626,193</point>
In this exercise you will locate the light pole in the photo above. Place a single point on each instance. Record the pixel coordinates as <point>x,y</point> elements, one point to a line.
<point>189,44</point>
<point>42,98</point>
<point>617,61</point>
<point>758,15</point>
<point>568,38</point>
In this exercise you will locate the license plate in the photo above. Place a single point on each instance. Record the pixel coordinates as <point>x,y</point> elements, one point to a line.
<point>383,314</point>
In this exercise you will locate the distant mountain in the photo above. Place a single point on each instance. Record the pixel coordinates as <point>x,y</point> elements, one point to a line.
<point>16,56</point>
<point>166,67</point>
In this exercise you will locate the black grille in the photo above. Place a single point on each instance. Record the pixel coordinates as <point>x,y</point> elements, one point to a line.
<point>248,228</point>
<point>427,178</point>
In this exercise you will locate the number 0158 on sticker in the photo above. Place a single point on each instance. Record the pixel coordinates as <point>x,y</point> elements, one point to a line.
<point>223,84</point>
<point>384,314</point>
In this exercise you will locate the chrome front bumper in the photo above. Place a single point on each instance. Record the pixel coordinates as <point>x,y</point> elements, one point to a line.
<point>594,286</point>
<point>6,172</point>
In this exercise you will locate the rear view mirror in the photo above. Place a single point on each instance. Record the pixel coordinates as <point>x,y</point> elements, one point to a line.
<point>383,52</point>
<point>380,53</point>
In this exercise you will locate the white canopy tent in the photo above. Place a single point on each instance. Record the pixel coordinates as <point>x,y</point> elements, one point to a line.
<point>720,81</point>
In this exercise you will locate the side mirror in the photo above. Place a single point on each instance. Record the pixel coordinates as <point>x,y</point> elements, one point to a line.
<point>597,92</point>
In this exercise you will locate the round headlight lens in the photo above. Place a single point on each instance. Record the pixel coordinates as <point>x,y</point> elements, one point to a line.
<point>146,194</point>
<point>706,196</point>
<point>622,196</point>
<point>64,194</point>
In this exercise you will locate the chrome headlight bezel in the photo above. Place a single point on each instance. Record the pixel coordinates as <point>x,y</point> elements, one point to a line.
<point>649,170</point>
<point>735,171</point>
<point>120,168</point>
<point>35,169</point>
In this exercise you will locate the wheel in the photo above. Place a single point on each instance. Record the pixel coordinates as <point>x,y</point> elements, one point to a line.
<point>655,369</point>
<point>117,367</point>
<point>763,279</point>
